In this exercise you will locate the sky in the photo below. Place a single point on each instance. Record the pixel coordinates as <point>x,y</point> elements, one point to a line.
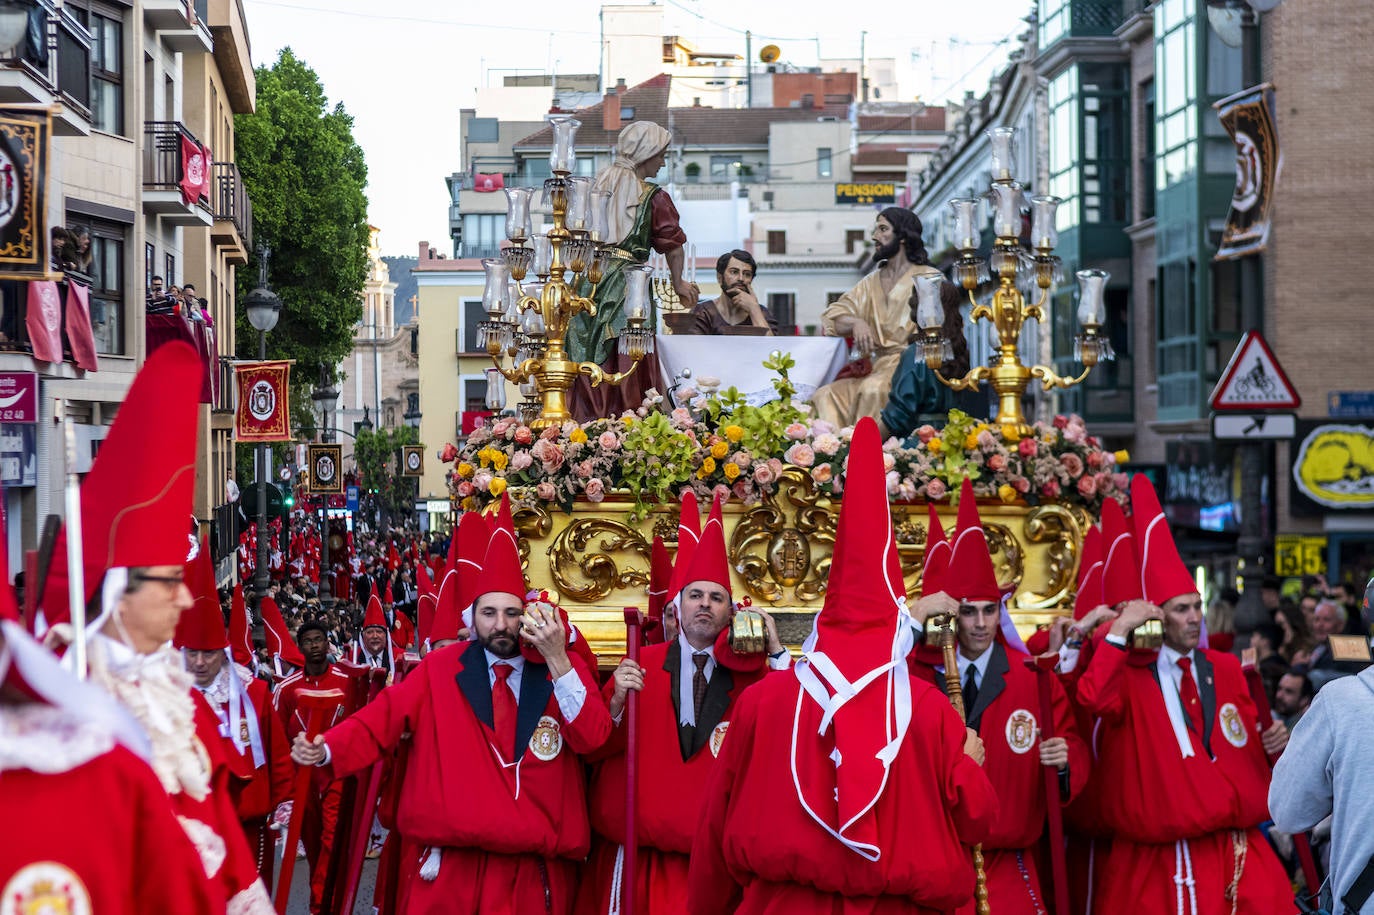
<point>404,68</point>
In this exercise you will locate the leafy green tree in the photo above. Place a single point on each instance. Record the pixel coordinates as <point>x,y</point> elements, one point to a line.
<point>378,455</point>
<point>305,175</point>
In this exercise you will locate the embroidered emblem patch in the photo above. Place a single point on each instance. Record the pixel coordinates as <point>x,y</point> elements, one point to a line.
<point>243,731</point>
<point>45,887</point>
<point>546,740</point>
<point>1021,731</point>
<point>1233,727</point>
<point>718,737</point>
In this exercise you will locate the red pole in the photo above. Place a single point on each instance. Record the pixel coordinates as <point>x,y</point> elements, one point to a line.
<point>1059,875</point>
<point>299,797</point>
<point>633,622</point>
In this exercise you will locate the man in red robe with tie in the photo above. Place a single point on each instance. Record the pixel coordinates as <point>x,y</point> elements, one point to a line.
<point>1188,781</point>
<point>510,725</point>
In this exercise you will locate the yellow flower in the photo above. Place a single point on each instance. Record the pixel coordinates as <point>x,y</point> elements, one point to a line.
<point>499,460</point>
<point>498,486</point>
<point>970,441</point>
<point>733,433</point>
<point>577,437</point>
<point>1121,456</point>
<point>731,471</point>
<point>720,449</point>
<point>1006,493</point>
<point>465,469</point>
<point>628,420</point>
<point>935,445</point>
<point>469,504</point>
<point>708,466</point>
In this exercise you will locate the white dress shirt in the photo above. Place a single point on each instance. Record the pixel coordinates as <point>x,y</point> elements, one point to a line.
<point>568,689</point>
<point>980,667</point>
<point>687,713</point>
<point>1171,684</point>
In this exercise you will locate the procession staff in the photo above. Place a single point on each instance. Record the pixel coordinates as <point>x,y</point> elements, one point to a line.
<point>688,690</point>
<point>1001,701</point>
<point>852,786</point>
<point>509,842</point>
<point>1189,778</point>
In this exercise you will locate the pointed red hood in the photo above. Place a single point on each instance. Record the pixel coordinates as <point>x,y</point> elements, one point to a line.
<point>137,501</point>
<point>708,561</point>
<point>660,571</point>
<point>240,629</point>
<point>373,616</point>
<point>1163,575</point>
<point>688,536</point>
<point>970,575</point>
<point>387,599</point>
<point>280,641</point>
<point>202,626</point>
<point>1089,594</point>
<point>501,569</point>
<point>1120,567</point>
<point>425,604</point>
<point>937,554</point>
<point>459,588</point>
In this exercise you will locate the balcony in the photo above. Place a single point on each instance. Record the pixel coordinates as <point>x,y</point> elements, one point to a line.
<point>227,27</point>
<point>57,72</point>
<point>233,212</point>
<point>162,176</point>
<point>14,313</point>
<point>180,23</point>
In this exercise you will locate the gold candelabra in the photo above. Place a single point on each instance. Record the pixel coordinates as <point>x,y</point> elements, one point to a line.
<point>528,324</point>
<point>1019,276</point>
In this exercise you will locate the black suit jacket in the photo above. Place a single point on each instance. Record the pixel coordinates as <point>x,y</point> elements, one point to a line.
<point>691,740</point>
<point>474,681</point>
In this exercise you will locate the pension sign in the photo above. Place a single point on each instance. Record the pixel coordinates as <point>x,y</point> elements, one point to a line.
<point>873,192</point>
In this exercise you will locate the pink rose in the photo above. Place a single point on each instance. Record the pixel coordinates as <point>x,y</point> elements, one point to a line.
<point>609,440</point>
<point>1121,480</point>
<point>763,474</point>
<point>997,462</point>
<point>1027,447</point>
<point>936,489</point>
<point>1095,460</point>
<point>501,426</point>
<point>742,459</point>
<point>545,491</point>
<point>1077,435</point>
<point>1072,464</point>
<point>740,489</point>
<point>796,432</point>
<point>1021,485</point>
<point>583,469</point>
<point>482,480</point>
<point>1050,490</point>
<point>775,465</point>
<point>550,433</point>
<point>480,423</point>
<point>596,490</point>
<point>449,454</point>
<point>822,473</point>
<point>925,434</point>
<point>821,427</point>
<point>800,454</point>
<point>524,435</point>
<point>1061,421</point>
<point>681,417</point>
<point>826,444</point>
<point>465,489</point>
<point>720,491</point>
<point>521,460</point>
<point>1087,486</point>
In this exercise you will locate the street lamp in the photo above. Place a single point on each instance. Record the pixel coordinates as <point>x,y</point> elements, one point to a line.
<point>325,396</point>
<point>263,307</point>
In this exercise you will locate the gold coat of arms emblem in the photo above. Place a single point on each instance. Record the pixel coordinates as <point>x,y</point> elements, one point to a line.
<point>1021,731</point>
<point>547,739</point>
<point>1232,726</point>
<point>45,888</point>
<point>718,737</point>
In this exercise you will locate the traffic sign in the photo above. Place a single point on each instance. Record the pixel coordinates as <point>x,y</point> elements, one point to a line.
<point>351,496</point>
<point>1350,404</point>
<point>1254,380</point>
<point>1244,427</point>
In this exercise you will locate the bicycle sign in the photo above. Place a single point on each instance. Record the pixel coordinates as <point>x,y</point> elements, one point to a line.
<point>1254,380</point>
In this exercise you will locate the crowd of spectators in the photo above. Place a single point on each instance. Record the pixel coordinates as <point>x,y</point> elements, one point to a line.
<point>179,300</point>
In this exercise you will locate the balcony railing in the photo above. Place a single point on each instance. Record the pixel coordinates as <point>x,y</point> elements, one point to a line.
<point>229,201</point>
<point>162,156</point>
<point>62,62</point>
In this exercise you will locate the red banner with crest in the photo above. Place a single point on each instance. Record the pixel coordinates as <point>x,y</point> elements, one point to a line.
<point>264,413</point>
<point>195,171</point>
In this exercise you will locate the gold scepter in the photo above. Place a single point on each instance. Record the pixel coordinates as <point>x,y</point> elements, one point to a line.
<point>940,630</point>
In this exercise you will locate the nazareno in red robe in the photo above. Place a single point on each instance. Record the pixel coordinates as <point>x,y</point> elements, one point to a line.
<point>510,832</point>
<point>671,790</point>
<point>1181,817</point>
<point>1007,717</point>
<point>758,849</point>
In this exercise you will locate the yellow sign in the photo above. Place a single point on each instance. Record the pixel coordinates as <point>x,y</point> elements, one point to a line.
<point>878,192</point>
<point>1335,466</point>
<point>1299,554</point>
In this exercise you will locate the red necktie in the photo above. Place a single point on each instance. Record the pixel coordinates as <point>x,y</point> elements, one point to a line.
<point>503,710</point>
<point>1192,702</point>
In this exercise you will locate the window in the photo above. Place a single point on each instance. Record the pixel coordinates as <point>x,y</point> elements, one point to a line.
<point>474,395</point>
<point>854,240</point>
<point>824,168</point>
<point>483,234</point>
<point>107,286</point>
<point>783,305</point>
<point>725,167</point>
<point>107,71</point>
<point>473,314</point>
<point>777,241</point>
<point>1175,94</point>
<point>1064,152</point>
<point>627,112</point>
<point>149,265</point>
<point>832,297</point>
<point>1147,152</point>
<point>170,275</point>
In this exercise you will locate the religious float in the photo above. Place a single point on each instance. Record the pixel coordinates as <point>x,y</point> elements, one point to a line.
<point>590,498</point>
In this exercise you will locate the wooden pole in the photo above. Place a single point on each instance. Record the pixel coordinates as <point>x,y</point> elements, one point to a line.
<point>1059,874</point>
<point>956,698</point>
<point>299,797</point>
<point>633,622</point>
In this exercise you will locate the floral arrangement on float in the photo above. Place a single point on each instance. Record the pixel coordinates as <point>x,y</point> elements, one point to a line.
<point>720,443</point>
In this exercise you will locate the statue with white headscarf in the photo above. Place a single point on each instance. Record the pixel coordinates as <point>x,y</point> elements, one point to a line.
<point>642,218</point>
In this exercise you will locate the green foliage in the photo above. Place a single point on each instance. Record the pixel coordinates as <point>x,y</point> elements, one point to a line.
<point>764,426</point>
<point>666,457</point>
<point>305,174</point>
<point>378,454</point>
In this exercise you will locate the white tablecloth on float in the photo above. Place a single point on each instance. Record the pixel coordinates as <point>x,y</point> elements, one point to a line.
<point>738,361</point>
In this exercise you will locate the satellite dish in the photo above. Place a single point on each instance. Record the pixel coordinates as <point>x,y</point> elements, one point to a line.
<point>770,53</point>
<point>1227,24</point>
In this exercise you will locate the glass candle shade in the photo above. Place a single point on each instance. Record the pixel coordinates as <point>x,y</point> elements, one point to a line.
<point>496,390</point>
<point>599,219</point>
<point>578,217</point>
<point>965,222</point>
<point>1044,235</point>
<point>930,313</point>
<point>1092,290</point>
<point>1006,214</point>
<point>637,292</point>
<point>1003,141</point>
<point>518,213</point>
<point>561,156</point>
<point>494,293</point>
<point>543,255</point>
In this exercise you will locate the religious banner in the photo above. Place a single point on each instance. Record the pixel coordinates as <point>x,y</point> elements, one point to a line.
<point>1248,117</point>
<point>43,321</point>
<point>195,171</point>
<point>264,412</point>
<point>24,242</point>
<point>487,184</point>
<point>412,460</point>
<point>326,469</point>
<point>79,331</point>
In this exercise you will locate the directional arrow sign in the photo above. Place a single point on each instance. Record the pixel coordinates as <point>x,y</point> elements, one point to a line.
<point>1241,427</point>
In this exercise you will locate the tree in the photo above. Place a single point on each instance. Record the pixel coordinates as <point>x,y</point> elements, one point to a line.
<point>305,175</point>
<point>378,454</point>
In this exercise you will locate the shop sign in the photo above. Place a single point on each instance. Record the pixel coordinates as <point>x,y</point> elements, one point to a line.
<point>1334,466</point>
<point>869,192</point>
<point>1296,555</point>
<point>18,397</point>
